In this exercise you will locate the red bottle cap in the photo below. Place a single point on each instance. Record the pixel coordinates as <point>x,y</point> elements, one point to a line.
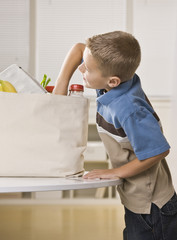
<point>76,87</point>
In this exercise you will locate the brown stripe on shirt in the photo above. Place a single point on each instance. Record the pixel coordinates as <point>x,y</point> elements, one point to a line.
<point>109,127</point>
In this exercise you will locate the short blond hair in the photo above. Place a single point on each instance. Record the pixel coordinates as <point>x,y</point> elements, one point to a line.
<point>116,53</point>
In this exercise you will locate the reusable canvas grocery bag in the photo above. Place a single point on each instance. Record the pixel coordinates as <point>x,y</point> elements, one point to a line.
<point>42,135</point>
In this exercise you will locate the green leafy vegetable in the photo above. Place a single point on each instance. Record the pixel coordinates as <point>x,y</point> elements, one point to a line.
<point>45,81</point>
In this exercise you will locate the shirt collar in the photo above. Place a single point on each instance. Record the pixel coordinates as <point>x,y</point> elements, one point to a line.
<point>106,98</point>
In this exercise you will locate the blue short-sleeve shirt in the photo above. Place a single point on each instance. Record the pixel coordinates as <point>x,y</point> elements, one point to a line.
<point>126,114</point>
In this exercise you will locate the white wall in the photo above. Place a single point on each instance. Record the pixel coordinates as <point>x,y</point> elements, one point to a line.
<point>60,24</point>
<point>38,34</point>
<point>14,29</point>
<point>154,25</point>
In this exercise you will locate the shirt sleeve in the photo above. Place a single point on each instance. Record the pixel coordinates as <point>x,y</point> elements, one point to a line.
<point>144,134</point>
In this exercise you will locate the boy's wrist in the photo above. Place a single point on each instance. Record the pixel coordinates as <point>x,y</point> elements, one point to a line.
<point>61,88</point>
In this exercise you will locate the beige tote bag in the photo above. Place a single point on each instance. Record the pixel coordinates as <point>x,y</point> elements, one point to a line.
<point>42,135</point>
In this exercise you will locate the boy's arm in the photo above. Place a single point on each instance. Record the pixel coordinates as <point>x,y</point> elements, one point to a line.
<point>70,64</point>
<point>130,169</point>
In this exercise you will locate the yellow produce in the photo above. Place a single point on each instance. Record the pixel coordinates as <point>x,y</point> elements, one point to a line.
<point>6,86</point>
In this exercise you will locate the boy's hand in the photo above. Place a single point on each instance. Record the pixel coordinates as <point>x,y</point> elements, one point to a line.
<point>130,169</point>
<point>101,174</point>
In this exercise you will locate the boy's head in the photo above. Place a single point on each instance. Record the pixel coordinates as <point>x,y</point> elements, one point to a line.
<point>116,55</point>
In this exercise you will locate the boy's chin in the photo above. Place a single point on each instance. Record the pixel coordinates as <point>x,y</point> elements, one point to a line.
<point>86,85</point>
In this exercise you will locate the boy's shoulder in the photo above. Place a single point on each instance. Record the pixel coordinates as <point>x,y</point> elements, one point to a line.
<point>130,98</point>
<point>131,101</point>
<point>122,107</point>
<point>124,100</point>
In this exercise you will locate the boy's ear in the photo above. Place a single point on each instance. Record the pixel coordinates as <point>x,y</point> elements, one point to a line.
<point>114,81</point>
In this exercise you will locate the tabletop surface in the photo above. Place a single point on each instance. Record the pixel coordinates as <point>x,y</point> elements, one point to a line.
<point>25,184</point>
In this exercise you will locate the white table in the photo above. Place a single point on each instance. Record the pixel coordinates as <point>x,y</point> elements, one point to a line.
<point>23,184</point>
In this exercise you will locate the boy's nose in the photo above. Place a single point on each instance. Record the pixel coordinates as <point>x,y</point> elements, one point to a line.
<point>81,68</point>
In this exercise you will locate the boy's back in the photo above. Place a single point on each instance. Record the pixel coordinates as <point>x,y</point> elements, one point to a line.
<point>129,128</point>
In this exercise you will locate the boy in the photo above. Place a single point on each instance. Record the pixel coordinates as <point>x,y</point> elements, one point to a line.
<point>131,132</point>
